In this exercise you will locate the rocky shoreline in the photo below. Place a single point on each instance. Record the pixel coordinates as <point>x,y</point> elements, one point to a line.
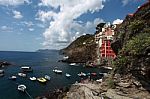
<point>4,63</point>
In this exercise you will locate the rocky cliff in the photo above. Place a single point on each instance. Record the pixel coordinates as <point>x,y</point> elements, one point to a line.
<point>132,46</point>
<point>82,50</point>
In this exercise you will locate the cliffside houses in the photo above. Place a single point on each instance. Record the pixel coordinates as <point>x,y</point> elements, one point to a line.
<point>103,37</point>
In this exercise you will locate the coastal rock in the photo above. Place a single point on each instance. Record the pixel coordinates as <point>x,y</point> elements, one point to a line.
<point>84,91</point>
<point>4,63</point>
<point>125,85</point>
<point>112,94</point>
<point>132,46</point>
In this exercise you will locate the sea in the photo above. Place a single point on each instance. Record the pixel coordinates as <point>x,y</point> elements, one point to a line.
<point>42,64</point>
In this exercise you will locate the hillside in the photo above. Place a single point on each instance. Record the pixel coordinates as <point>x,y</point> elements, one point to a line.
<point>132,46</point>
<point>81,50</point>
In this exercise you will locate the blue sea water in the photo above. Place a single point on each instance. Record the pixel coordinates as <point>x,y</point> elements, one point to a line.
<point>42,63</point>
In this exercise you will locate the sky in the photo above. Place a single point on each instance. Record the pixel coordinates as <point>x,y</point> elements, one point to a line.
<point>29,25</point>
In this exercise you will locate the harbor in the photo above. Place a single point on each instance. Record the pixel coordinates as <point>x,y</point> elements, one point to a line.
<point>44,69</point>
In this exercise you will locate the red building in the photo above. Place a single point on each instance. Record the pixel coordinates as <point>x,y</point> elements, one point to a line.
<point>103,39</point>
<point>106,50</point>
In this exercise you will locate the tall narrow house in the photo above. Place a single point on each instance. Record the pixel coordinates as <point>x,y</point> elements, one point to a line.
<point>103,37</point>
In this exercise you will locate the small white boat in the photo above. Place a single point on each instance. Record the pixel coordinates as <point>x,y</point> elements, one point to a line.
<point>47,77</point>
<point>103,74</point>
<point>72,64</point>
<point>99,80</point>
<point>110,68</point>
<point>81,74</point>
<point>1,75</point>
<point>65,57</point>
<point>32,78</point>
<point>26,69</point>
<point>22,74</point>
<point>68,75</point>
<point>57,71</point>
<point>1,71</point>
<point>22,88</point>
<point>12,78</point>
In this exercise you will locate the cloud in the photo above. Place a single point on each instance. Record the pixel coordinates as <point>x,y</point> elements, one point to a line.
<point>45,16</point>
<point>63,26</point>
<point>6,29</point>
<point>14,2</point>
<point>17,15</point>
<point>31,29</point>
<point>29,23</point>
<point>125,2</point>
<point>117,21</point>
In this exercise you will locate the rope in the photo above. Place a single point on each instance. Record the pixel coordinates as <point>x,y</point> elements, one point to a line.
<point>28,94</point>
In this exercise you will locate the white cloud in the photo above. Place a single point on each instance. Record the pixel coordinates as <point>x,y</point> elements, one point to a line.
<point>62,24</point>
<point>31,29</point>
<point>29,24</point>
<point>6,29</point>
<point>14,2</point>
<point>117,21</point>
<point>45,16</point>
<point>125,2</point>
<point>17,15</point>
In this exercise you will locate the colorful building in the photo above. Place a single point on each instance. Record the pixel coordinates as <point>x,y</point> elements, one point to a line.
<point>103,39</point>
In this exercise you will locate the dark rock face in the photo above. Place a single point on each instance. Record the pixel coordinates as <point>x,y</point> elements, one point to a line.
<point>132,45</point>
<point>4,63</point>
<point>83,49</point>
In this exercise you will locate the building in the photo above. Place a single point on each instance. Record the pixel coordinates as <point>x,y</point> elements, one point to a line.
<point>103,38</point>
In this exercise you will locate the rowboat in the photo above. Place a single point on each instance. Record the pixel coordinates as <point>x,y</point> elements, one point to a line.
<point>12,77</point>
<point>47,77</point>
<point>68,75</point>
<point>42,80</point>
<point>32,78</point>
<point>22,74</point>
<point>22,88</point>
<point>26,69</point>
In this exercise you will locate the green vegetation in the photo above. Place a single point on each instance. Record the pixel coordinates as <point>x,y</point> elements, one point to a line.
<point>137,44</point>
<point>88,39</point>
<point>111,83</point>
<point>136,25</point>
<point>120,64</point>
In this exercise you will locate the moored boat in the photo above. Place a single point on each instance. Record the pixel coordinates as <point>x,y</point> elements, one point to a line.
<point>12,77</point>
<point>42,80</point>
<point>81,74</point>
<point>102,74</point>
<point>22,74</point>
<point>67,75</point>
<point>1,75</point>
<point>72,64</point>
<point>32,78</point>
<point>1,71</point>
<point>65,57</point>
<point>47,77</point>
<point>22,88</point>
<point>99,80</point>
<point>88,74</point>
<point>93,74</point>
<point>26,69</point>
<point>57,71</point>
